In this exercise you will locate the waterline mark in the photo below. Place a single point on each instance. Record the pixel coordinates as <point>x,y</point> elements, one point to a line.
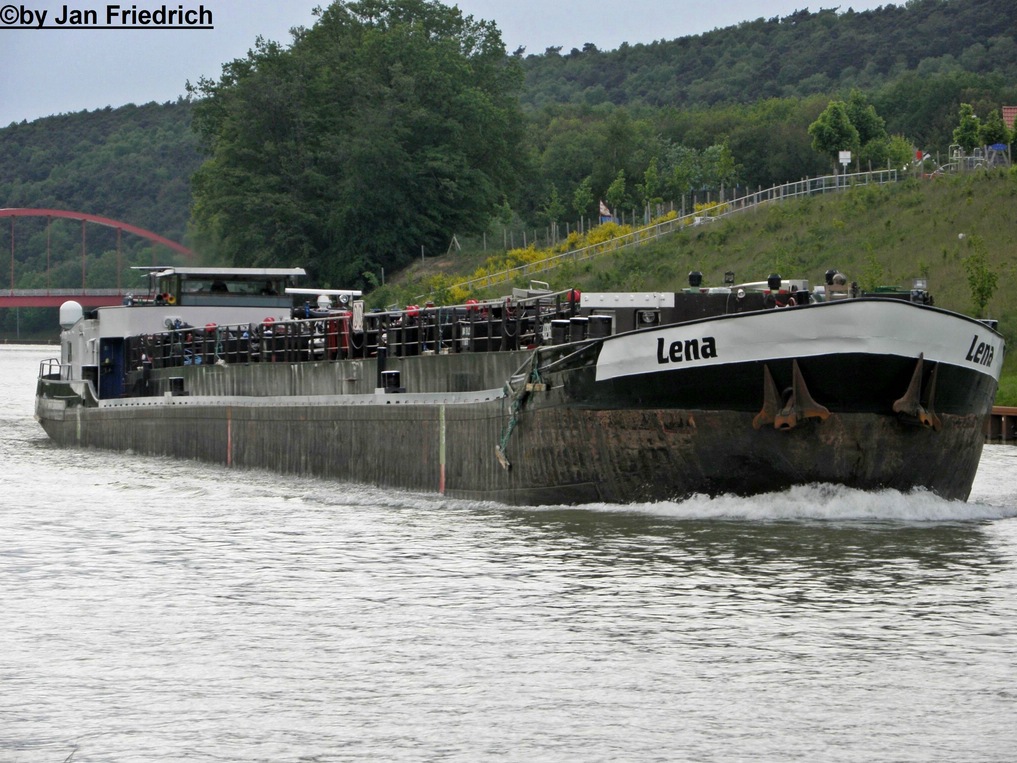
<point>112,16</point>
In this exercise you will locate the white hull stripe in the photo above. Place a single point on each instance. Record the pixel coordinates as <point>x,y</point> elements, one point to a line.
<point>853,327</point>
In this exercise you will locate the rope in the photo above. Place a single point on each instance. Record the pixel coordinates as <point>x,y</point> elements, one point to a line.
<point>218,345</point>
<point>518,401</point>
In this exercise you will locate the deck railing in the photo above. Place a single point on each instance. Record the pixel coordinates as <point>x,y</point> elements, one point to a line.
<point>483,327</point>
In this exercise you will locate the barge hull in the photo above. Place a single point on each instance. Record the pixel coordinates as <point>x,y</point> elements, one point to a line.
<point>556,454</point>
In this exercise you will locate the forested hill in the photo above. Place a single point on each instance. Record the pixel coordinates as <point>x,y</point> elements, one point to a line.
<point>132,164</point>
<point>798,55</point>
<point>598,117</point>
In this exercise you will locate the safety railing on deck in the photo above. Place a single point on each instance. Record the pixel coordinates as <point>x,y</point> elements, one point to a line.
<point>49,368</point>
<point>481,327</point>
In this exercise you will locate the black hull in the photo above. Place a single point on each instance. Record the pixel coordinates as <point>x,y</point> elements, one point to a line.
<point>632,439</point>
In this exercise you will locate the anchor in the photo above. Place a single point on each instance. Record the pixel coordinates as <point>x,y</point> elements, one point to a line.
<point>771,401</point>
<point>799,405</point>
<point>910,405</point>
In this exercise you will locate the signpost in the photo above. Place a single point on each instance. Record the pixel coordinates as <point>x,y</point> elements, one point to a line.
<point>845,159</point>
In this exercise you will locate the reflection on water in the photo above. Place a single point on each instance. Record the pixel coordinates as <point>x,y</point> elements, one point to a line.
<point>157,609</point>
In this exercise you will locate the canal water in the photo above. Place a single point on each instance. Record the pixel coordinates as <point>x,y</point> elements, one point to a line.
<point>163,610</point>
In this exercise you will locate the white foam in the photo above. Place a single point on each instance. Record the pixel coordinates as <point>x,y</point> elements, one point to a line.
<point>822,502</point>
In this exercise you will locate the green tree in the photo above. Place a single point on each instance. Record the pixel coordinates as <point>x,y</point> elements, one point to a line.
<point>982,280</point>
<point>966,132</point>
<point>387,126</point>
<point>874,142</point>
<point>554,208</point>
<point>993,130</point>
<point>687,170</point>
<point>833,132</point>
<point>569,146</point>
<point>616,195</point>
<point>873,271</point>
<point>582,197</point>
<point>900,151</point>
<point>863,116</point>
<point>719,167</point>
<point>621,141</point>
<point>650,189</point>
<point>683,169</point>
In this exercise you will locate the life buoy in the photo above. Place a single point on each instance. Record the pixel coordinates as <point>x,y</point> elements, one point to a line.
<point>170,299</point>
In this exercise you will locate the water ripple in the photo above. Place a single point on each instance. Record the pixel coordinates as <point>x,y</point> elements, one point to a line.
<point>160,610</point>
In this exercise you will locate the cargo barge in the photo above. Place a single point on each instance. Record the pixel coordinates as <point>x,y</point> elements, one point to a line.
<point>538,398</point>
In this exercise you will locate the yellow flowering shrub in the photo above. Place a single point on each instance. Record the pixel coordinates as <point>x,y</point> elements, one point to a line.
<point>711,208</point>
<point>494,268</point>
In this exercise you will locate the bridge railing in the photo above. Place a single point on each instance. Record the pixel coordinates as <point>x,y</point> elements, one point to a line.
<point>63,292</point>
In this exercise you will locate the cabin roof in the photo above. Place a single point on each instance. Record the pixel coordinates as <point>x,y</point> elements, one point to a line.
<point>227,273</point>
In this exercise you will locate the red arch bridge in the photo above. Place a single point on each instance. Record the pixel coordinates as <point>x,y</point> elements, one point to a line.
<point>88,297</point>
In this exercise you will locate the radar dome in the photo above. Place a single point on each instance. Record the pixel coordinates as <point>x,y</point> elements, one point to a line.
<point>70,313</point>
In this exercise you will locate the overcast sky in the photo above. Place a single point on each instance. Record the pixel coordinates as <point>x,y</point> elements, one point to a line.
<point>67,69</point>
